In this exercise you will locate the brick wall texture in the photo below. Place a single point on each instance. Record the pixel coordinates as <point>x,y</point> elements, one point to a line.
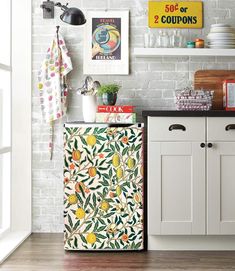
<point>150,85</point>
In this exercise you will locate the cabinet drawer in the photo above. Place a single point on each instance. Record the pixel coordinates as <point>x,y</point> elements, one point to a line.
<point>221,129</point>
<point>176,129</point>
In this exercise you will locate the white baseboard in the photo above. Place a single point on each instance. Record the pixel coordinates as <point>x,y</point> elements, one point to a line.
<point>191,242</point>
<point>10,242</point>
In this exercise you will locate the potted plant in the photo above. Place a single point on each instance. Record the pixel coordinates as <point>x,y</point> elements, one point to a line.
<point>108,93</point>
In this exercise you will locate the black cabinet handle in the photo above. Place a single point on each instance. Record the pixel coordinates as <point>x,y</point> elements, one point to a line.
<point>230,127</point>
<point>210,145</point>
<point>203,145</point>
<point>177,127</point>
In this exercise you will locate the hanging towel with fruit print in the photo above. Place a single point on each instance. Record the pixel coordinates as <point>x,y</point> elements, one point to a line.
<point>52,83</point>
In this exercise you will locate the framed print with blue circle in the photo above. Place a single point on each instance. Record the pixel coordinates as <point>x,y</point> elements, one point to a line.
<point>106,43</point>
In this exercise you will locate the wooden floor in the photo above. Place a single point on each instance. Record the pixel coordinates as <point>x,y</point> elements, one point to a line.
<point>45,252</point>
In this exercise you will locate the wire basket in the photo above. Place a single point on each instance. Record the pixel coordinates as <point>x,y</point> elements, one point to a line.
<point>193,100</point>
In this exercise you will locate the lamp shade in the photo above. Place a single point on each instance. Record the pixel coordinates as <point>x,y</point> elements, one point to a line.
<point>73,16</point>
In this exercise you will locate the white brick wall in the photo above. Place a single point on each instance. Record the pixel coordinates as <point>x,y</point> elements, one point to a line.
<point>150,85</point>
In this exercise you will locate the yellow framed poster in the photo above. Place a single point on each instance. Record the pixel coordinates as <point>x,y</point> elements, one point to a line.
<point>175,14</point>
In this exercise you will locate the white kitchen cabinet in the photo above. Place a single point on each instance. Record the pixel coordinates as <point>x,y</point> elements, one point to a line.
<point>221,176</point>
<point>177,188</point>
<point>191,182</point>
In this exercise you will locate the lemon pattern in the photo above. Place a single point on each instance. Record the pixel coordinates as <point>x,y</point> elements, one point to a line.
<point>104,188</point>
<point>105,206</point>
<point>119,173</point>
<point>91,140</point>
<point>80,213</point>
<point>116,160</point>
<point>91,238</point>
<point>130,163</point>
<point>118,190</point>
<point>72,199</point>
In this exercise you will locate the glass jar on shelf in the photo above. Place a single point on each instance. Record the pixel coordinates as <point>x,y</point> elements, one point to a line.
<point>164,40</point>
<point>176,39</point>
<point>149,40</point>
<point>158,40</point>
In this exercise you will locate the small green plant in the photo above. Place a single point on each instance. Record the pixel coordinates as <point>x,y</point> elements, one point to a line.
<point>109,88</point>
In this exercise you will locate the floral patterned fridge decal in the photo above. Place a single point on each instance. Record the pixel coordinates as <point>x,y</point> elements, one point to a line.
<point>103,187</point>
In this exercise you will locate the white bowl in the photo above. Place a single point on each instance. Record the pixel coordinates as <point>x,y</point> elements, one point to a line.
<point>222,42</point>
<point>224,35</point>
<point>222,30</point>
<point>220,38</point>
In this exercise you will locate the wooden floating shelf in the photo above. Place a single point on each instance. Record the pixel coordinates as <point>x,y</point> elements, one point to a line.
<point>155,52</point>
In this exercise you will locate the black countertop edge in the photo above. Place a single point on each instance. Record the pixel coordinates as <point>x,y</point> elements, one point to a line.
<point>94,124</point>
<point>174,113</point>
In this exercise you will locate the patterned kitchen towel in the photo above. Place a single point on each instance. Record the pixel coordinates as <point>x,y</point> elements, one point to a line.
<point>52,83</point>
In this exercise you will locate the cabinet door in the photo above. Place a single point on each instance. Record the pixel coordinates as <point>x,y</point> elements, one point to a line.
<point>176,188</point>
<point>221,188</point>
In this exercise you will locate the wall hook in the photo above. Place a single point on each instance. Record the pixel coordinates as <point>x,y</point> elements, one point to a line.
<point>57,29</point>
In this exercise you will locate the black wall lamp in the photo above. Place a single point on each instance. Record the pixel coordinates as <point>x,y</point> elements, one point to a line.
<point>73,16</point>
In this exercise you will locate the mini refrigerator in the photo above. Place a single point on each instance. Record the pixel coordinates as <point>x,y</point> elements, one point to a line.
<point>103,187</point>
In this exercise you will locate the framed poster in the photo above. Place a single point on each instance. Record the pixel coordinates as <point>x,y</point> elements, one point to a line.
<point>106,42</point>
<point>176,14</point>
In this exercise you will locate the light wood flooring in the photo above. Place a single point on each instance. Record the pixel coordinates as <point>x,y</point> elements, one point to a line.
<point>45,252</point>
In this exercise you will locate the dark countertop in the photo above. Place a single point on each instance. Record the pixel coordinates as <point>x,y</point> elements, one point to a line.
<point>98,124</point>
<point>174,113</point>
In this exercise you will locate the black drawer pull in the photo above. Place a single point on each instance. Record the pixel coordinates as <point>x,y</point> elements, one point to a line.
<point>177,127</point>
<point>230,127</point>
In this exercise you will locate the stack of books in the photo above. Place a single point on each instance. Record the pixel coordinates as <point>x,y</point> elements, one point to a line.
<point>115,114</point>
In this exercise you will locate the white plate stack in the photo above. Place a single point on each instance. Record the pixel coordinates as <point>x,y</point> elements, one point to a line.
<point>221,36</point>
